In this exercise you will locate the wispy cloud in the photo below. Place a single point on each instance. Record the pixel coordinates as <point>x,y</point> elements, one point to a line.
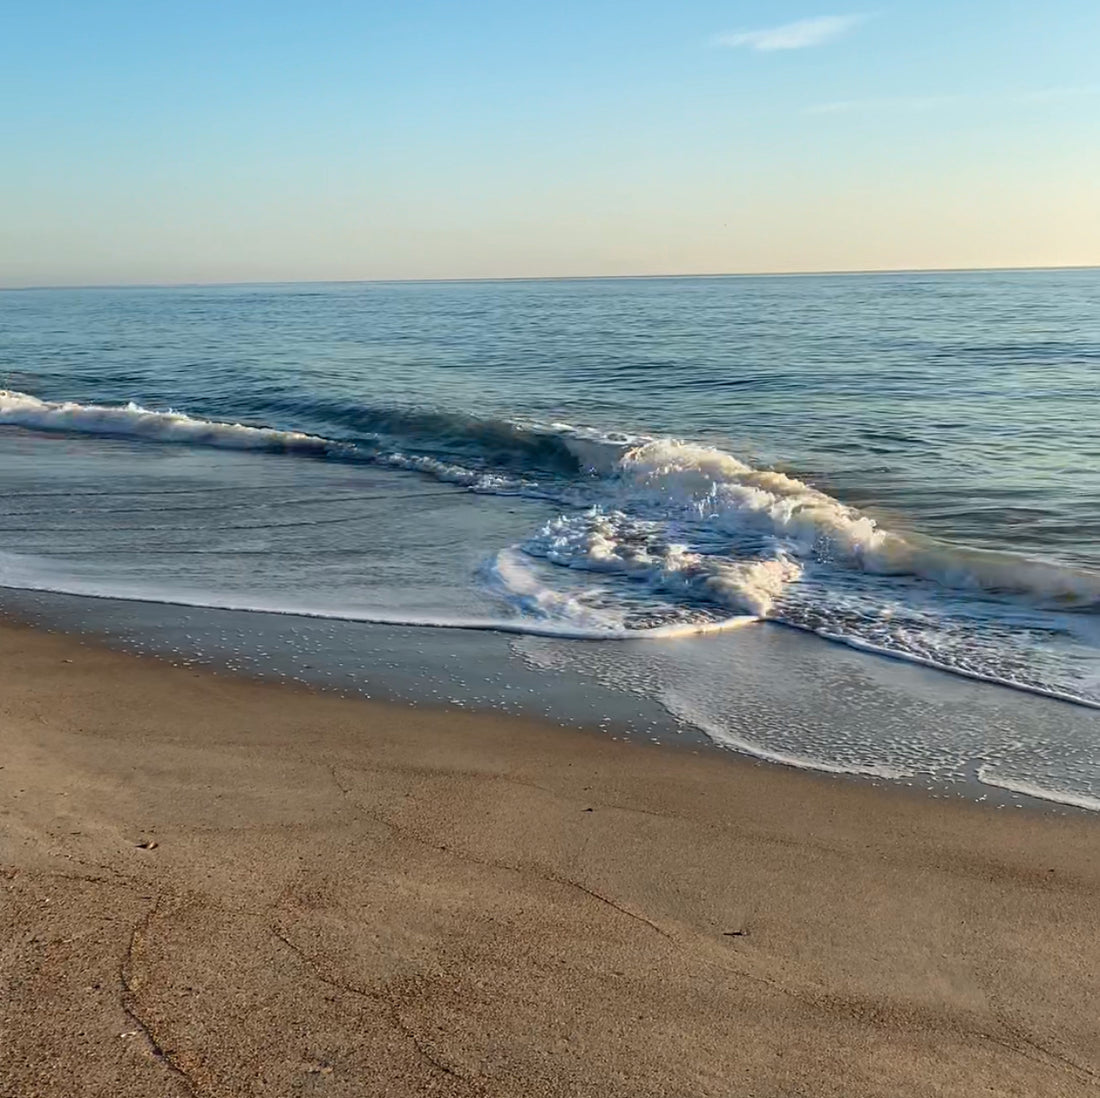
<point>793,36</point>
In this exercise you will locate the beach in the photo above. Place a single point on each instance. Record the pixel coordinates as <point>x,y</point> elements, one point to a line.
<point>550,555</point>
<point>217,886</point>
<point>753,494</point>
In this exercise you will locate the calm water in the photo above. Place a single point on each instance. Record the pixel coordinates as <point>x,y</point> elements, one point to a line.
<point>903,463</point>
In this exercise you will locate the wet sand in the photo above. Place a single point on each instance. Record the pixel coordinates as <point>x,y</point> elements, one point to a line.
<point>218,887</point>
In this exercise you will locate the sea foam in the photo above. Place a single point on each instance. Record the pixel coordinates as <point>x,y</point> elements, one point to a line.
<point>627,491</point>
<point>133,421</point>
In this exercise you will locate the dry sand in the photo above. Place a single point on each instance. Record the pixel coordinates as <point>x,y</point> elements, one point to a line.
<point>217,887</point>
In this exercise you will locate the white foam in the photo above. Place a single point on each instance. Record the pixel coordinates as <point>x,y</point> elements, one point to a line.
<point>1030,789</point>
<point>25,575</point>
<point>511,575</point>
<point>678,478</point>
<point>726,737</point>
<point>611,542</point>
<point>760,528</point>
<point>952,669</point>
<point>708,483</point>
<point>134,421</point>
<point>449,473</point>
<point>654,478</point>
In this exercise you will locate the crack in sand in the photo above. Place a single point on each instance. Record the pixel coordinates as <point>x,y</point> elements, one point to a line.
<point>344,789</point>
<point>824,1002</point>
<point>127,878</point>
<point>880,1018</point>
<point>1049,1057</point>
<point>550,878</point>
<point>129,1003</point>
<point>425,1053</point>
<point>558,794</point>
<point>523,871</point>
<point>1018,1042</point>
<point>595,895</point>
<point>84,878</point>
<point>382,999</point>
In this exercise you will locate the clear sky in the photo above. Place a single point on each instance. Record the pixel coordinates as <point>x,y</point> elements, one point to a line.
<point>170,141</point>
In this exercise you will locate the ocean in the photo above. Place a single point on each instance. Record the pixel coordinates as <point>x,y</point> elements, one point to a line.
<point>688,490</point>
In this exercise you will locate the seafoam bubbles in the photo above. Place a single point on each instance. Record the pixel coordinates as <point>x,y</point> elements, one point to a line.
<point>613,543</point>
<point>589,610</point>
<point>683,480</point>
<point>709,484</point>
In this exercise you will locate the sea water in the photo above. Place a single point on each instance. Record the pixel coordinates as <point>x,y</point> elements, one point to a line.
<point>618,474</point>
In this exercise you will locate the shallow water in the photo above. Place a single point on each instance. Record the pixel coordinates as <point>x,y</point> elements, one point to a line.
<point>902,463</point>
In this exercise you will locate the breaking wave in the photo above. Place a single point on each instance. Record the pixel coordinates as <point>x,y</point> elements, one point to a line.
<point>612,543</point>
<point>502,444</point>
<point>133,421</point>
<point>630,479</point>
<point>709,484</point>
<point>555,621</point>
<point>690,526</point>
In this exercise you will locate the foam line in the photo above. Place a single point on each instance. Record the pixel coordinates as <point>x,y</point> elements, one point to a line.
<point>723,737</point>
<point>924,661</point>
<point>133,421</point>
<point>530,627</point>
<point>1030,789</point>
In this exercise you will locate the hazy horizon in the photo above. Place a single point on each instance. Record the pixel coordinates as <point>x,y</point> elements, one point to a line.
<point>277,142</point>
<point>854,272</point>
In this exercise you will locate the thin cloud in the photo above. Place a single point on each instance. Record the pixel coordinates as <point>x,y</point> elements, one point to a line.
<point>793,36</point>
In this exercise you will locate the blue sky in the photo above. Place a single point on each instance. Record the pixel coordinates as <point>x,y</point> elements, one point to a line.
<point>167,142</point>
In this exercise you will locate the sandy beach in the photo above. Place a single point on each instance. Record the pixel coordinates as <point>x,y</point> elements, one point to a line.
<point>550,551</point>
<point>219,887</point>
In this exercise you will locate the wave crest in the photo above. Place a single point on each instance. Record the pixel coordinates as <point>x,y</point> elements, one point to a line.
<point>133,421</point>
<point>652,479</point>
<point>733,498</point>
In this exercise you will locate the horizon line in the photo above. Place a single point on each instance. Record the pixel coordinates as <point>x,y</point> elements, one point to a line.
<point>828,273</point>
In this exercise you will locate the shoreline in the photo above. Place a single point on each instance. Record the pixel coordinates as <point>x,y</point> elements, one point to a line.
<point>504,627</point>
<point>221,886</point>
<point>440,668</point>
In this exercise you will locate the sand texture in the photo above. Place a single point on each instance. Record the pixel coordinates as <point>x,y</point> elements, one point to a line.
<point>214,887</point>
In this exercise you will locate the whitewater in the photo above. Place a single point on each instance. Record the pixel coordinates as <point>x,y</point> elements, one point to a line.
<point>644,486</point>
<point>345,456</point>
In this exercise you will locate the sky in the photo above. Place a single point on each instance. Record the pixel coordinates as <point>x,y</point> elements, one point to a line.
<point>267,140</point>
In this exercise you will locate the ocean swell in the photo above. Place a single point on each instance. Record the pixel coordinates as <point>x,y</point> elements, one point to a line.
<point>484,441</point>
